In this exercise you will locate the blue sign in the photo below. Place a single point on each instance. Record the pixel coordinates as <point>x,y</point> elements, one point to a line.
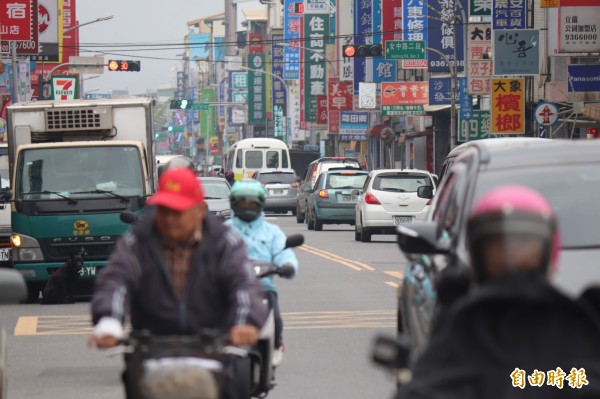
<point>584,78</point>
<point>219,49</point>
<point>415,20</point>
<point>199,46</point>
<point>444,37</point>
<point>93,96</point>
<point>509,14</point>
<point>292,29</point>
<point>363,25</point>
<point>466,101</point>
<point>440,91</point>
<point>278,88</point>
<point>384,70</point>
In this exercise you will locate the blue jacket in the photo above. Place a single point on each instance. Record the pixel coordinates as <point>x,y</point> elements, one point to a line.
<point>264,242</point>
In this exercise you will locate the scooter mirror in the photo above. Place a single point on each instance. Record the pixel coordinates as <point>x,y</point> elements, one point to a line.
<point>391,352</point>
<point>294,240</point>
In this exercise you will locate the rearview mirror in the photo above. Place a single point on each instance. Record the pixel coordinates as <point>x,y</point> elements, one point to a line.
<point>391,352</point>
<point>425,192</point>
<point>294,240</point>
<point>419,238</point>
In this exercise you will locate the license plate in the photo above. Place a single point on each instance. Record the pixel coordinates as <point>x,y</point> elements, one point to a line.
<point>4,254</point>
<point>347,198</point>
<point>88,271</point>
<point>402,219</point>
<point>277,192</point>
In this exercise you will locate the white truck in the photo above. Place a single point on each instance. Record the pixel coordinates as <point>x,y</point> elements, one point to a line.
<point>74,167</point>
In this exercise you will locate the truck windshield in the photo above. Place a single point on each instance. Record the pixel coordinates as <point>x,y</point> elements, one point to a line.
<point>4,181</point>
<point>79,172</point>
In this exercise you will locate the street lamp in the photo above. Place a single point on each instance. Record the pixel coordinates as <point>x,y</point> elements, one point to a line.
<point>87,23</point>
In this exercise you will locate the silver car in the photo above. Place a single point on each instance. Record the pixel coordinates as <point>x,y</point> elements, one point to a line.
<point>281,186</point>
<point>216,195</point>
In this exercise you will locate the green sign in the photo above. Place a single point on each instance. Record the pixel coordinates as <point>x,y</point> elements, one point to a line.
<point>279,123</point>
<point>176,129</point>
<point>257,104</point>
<point>207,117</point>
<point>478,127</point>
<point>390,110</point>
<point>200,106</point>
<point>405,49</point>
<point>480,8</point>
<point>316,27</point>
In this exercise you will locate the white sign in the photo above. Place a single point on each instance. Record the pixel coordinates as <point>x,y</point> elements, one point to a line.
<point>579,27</point>
<point>546,114</point>
<point>367,95</point>
<point>64,87</point>
<point>233,62</point>
<point>238,116</point>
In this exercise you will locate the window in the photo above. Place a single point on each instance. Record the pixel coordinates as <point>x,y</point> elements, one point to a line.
<point>402,183</point>
<point>350,181</point>
<point>238,159</point>
<point>284,155</point>
<point>272,159</point>
<point>276,178</point>
<point>215,189</point>
<point>254,159</point>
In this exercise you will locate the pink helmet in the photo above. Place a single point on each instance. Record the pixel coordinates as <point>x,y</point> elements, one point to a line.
<point>510,210</point>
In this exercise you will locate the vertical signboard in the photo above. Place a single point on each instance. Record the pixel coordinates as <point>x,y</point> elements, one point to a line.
<point>392,20</point>
<point>279,92</point>
<point>292,29</point>
<point>316,30</point>
<point>367,95</point>
<point>465,100</point>
<point>340,95</point>
<point>256,89</point>
<point>199,46</point>
<point>508,106</point>
<point>49,24</point>
<point>509,14</point>
<point>479,70</point>
<point>445,37</point>
<point>16,20</point>
<point>363,27</point>
<point>415,28</point>
<point>579,26</point>
<point>23,47</point>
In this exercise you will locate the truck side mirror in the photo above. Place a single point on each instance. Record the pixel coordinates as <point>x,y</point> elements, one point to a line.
<point>6,194</point>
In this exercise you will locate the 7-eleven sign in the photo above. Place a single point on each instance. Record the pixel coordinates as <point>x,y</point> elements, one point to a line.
<point>65,87</point>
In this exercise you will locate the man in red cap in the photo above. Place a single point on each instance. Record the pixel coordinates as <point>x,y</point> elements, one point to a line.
<point>177,271</point>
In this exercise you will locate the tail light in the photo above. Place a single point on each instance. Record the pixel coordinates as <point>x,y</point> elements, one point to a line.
<point>295,185</point>
<point>371,199</point>
<point>323,194</point>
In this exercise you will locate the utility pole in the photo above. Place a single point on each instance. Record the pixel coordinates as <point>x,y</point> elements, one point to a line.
<point>230,27</point>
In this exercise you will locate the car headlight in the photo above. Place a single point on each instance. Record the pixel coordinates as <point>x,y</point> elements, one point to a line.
<point>25,248</point>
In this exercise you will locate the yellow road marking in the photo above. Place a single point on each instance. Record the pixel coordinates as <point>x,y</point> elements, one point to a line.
<point>331,259</point>
<point>398,275</point>
<point>335,258</point>
<point>392,284</point>
<point>26,325</point>
<point>81,325</point>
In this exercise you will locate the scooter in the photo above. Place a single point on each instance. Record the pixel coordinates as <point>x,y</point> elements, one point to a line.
<point>262,371</point>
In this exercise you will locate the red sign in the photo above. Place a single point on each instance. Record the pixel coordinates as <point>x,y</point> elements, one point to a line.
<point>334,122</point>
<point>25,47</point>
<point>256,45</point>
<point>391,16</point>
<point>16,20</point>
<point>322,110</point>
<point>404,93</point>
<point>340,95</point>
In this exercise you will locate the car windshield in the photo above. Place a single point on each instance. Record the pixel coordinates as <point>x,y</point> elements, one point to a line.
<point>402,183</point>
<point>215,189</point>
<point>345,164</point>
<point>79,172</point>
<point>276,178</point>
<point>570,189</point>
<point>346,181</point>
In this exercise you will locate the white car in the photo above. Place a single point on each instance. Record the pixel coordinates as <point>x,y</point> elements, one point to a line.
<point>390,197</point>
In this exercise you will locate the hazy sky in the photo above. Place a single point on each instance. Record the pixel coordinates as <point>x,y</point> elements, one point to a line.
<point>140,22</point>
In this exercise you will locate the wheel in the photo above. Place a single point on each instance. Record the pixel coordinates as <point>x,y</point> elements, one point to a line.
<point>299,215</point>
<point>364,235</point>
<point>243,382</point>
<point>356,233</point>
<point>317,224</point>
<point>309,220</point>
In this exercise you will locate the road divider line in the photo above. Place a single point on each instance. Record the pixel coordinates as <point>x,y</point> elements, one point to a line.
<point>332,256</point>
<point>331,259</point>
<point>26,325</point>
<point>392,284</point>
<point>398,275</point>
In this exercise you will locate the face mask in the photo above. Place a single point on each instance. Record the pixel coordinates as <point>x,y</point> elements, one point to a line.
<point>247,215</point>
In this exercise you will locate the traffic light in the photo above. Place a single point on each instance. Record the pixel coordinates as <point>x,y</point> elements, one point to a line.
<point>362,50</point>
<point>123,65</point>
<point>181,104</point>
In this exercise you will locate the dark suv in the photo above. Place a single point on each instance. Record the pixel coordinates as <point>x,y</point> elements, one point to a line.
<point>312,173</point>
<point>567,173</point>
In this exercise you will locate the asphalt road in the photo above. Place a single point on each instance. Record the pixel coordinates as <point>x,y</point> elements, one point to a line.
<point>342,298</point>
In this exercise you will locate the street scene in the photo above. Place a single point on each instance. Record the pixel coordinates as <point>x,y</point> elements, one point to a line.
<point>299,199</point>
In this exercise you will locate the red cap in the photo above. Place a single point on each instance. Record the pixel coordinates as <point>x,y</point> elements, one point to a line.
<point>178,189</point>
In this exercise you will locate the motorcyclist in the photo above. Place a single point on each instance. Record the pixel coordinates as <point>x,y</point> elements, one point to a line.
<point>178,271</point>
<point>264,242</point>
<point>230,177</point>
<point>513,327</point>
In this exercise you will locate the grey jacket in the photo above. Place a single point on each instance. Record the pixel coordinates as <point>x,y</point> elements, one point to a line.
<point>222,289</point>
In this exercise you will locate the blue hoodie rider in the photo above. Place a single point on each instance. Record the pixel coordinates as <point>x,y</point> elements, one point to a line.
<point>264,242</point>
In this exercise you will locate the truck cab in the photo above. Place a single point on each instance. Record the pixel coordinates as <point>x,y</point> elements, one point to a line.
<point>5,260</point>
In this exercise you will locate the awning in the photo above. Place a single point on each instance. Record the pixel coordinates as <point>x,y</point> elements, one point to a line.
<point>375,130</point>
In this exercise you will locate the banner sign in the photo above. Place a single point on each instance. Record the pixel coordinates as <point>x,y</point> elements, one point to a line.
<point>508,106</point>
<point>480,8</point>
<point>465,100</point>
<point>256,90</point>
<point>479,70</point>
<point>292,29</point>
<point>24,47</point>
<point>16,20</point>
<point>476,128</point>
<point>353,125</point>
<point>444,38</point>
<point>517,52</point>
<point>404,93</point>
<point>278,89</point>
<point>393,110</point>
<point>340,95</point>
<point>322,110</point>
<point>316,30</point>
<point>363,27</point>
<point>392,20</point>
<point>579,26</point>
<point>584,78</point>
<point>415,28</point>
<point>509,14</point>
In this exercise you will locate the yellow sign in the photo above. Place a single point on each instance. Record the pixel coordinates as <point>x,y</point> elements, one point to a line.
<point>549,3</point>
<point>214,140</point>
<point>508,106</point>
<point>81,228</point>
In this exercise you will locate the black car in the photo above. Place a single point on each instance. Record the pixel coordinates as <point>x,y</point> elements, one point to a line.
<point>567,173</point>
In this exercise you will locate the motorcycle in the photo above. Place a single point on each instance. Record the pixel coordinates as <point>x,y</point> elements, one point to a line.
<point>262,371</point>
